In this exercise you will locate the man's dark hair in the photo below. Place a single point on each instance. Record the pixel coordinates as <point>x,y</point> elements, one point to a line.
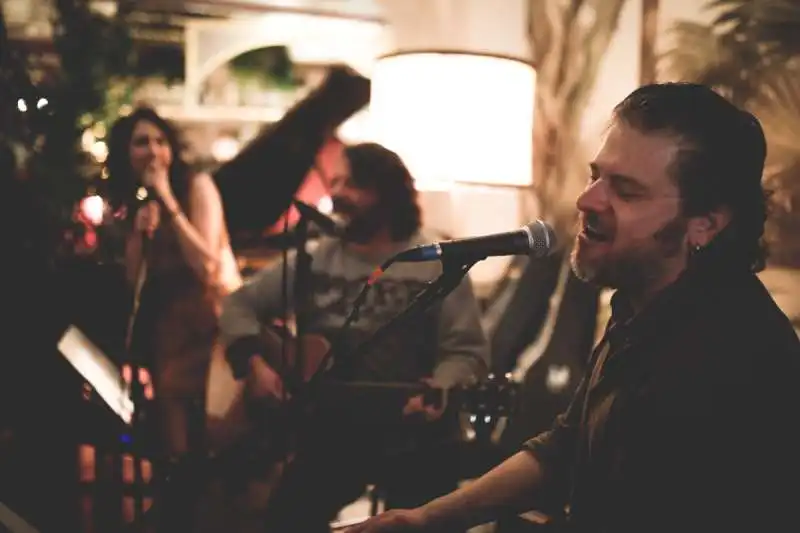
<point>374,167</point>
<point>720,162</point>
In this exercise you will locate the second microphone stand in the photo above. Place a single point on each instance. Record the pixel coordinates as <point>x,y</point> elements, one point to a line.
<point>293,372</point>
<point>453,272</point>
<point>302,299</point>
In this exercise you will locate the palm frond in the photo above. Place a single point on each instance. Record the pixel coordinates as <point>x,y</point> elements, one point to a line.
<point>778,107</point>
<point>702,55</point>
<point>694,47</point>
<point>773,24</point>
<point>782,231</point>
<point>733,15</point>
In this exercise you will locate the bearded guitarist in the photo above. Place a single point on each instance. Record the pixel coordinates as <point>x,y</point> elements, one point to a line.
<point>373,190</point>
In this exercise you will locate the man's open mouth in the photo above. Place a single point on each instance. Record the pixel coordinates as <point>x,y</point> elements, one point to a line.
<point>592,233</point>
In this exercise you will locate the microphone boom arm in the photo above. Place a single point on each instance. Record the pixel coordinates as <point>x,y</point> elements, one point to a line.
<point>452,274</point>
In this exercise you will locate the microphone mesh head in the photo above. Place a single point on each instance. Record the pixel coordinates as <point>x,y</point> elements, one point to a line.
<point>544,238</point>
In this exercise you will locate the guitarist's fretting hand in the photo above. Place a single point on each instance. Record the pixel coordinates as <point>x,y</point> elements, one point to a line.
<point>262,381</point>
<point>416,405</point>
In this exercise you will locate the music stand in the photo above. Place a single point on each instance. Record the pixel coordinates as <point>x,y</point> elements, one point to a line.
<point>98,370</point>
<point>104,377</point>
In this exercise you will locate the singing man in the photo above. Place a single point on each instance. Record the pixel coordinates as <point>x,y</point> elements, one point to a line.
<point>688,418</point>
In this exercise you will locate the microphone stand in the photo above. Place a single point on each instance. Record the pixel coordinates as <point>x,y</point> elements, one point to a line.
<point>293,375</point>
<point>302,297</point>
<point>168,510</point>
<point>135,388</point>
<point>453,272</point>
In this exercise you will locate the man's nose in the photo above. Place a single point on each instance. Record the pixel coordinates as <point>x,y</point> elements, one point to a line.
<point>594,197</point>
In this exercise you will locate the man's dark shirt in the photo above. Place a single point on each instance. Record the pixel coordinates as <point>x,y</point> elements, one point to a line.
<point>688,418</point>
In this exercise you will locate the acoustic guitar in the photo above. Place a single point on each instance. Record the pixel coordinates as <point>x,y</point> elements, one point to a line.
<point>229,420</point>
<point>244,444</point>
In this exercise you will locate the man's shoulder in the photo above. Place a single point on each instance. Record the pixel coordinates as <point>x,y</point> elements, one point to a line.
<point>748,309</point>
<point>746,326</point>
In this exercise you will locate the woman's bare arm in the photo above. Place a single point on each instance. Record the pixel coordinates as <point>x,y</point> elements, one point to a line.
<point>200,235</point>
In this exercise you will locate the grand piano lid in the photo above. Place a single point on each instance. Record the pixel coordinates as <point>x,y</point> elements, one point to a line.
<point>258,185</point>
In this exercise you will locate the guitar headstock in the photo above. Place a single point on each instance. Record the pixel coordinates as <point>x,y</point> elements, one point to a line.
<point>487,402</point>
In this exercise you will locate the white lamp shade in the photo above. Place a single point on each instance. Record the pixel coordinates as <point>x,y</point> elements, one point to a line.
<point>456,117</point>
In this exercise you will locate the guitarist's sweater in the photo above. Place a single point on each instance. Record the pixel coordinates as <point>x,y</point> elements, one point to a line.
<point>446,342</point>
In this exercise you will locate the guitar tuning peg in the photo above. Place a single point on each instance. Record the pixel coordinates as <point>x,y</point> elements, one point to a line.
<point>508,376</point>
<point>490,377</point>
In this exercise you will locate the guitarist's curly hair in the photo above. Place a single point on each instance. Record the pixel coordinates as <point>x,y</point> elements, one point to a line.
<point>377,168</point>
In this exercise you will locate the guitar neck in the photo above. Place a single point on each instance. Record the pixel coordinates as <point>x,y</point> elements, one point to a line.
<point>432,395</point>
<point>377,386</point>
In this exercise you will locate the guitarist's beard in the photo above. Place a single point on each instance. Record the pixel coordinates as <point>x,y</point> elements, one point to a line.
<point>363,225</point>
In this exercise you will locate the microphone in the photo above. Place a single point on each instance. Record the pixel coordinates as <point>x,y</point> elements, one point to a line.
<point>151,200</point>
<point>325,223</point>
<point>150,194</point>
<point>536,239</point>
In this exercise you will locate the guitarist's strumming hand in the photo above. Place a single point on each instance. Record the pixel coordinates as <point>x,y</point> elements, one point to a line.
<point>416,405</point>
<point>262,381</point>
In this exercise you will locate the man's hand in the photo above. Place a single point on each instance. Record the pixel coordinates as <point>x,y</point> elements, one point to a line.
<point>394,521</point>
<point>262,381</point>
<point>416,405</point>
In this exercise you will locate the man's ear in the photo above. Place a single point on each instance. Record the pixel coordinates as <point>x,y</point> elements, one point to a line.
<point>702,229</point>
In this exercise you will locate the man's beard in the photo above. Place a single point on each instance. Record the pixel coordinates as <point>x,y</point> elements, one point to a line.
<point>637,267</point>
<point>363,225</point>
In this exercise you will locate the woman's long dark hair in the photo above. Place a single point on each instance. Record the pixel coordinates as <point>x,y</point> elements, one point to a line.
<point>122,184</point>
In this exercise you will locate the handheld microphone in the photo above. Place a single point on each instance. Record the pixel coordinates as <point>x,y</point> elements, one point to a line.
<point>536,239</point>
<point>325,223</point>
<point>150,194</point>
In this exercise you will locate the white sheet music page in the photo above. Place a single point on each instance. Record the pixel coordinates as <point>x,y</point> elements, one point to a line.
<point>98,370</point>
